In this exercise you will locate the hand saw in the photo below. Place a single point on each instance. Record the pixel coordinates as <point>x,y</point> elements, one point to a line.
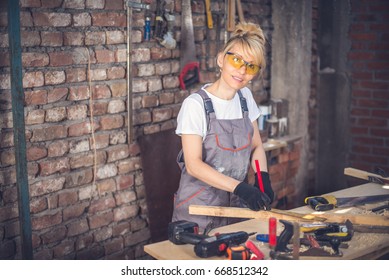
<point>329,202</point>
<point>190,73</point>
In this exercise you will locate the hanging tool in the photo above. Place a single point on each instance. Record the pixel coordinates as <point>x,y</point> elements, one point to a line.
<point>329,202</point>
<point>231,15</point>
<point>130,7</point>
<point>190,67</point>
<point>208,13</point>
<point>240,10</point>
<point>233,6</point>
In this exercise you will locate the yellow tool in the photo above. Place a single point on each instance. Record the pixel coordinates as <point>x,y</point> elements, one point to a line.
<point>209,13</point>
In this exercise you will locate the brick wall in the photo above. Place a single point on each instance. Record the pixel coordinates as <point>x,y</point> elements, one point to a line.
<point>369,64</point>
<point>87,195</point>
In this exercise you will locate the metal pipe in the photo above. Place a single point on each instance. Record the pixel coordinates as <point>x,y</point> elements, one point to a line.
<point>130,6</point>
<point>17,94</point>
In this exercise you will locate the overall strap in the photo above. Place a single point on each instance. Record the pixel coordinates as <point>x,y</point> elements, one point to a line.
<point>208,106</point>
<point>243,104</point>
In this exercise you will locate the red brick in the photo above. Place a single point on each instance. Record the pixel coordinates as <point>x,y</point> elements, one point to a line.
<point>46,221</point>
<point>56,114</point>
<point>51,19</point>
<point>33,79</point>
<point>67,198</point>
<point>53,166</point>
<point>82,19</point>
<point>66,247</point>
<point>8,213</point>
<point>46,186</point>
<point>125,212</point>
<point>33,59</point>
<point>102,234</point>
<point>51,39</point>
<point>111,122</point>
<point>101,92</point>
<point>125,197</point>
<point>109,19</point>
<point>51,3</point>
<point>55,77</point>
<point>115,73</point>
<point>30,38</point>
<point>160,53</point>
<point>170,82</point>
<point>38,205</point>
<point>7,249</point>
<point>48,133</point>
<point>162,114</point>
<point>105,187</point>
<point>58,148</point>
<point>118,89</point>
<point>57,94</point>
<point>54,235</point>
<point>73,38</point>
<point>30,3</point>
<point>74,211</point>
<point>79,129</point>
<point>77,112</point>
<point>101,140</point>
<point>36,152</point>
<point>37,97</point>
<point>115,37</point>
<point>94,38</point>
<point>142,117</point>
<point>78,227</point>
<point>106,171</point>
<point>7,157</point>
<point>125,182</point>
<point>114,245</point>
<point>120,229</point>
<point>79,93</point>
<point>137,237</point>
<point>100,220</point>
<point>101,204</point>
<point>105,56</point>
<point>129,165</point>
<point>78,178</point>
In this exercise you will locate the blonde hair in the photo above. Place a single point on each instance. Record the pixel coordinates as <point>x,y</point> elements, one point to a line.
<point>251,38</point>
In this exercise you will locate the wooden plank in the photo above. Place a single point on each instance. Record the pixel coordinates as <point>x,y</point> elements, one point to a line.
<point>234,212</point>
<point>357,173</point>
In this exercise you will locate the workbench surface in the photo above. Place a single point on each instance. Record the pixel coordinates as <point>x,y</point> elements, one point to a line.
<point>361,246</point>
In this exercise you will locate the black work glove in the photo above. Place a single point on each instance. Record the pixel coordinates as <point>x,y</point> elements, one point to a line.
<point>266,185</point>
<point>255,199</point>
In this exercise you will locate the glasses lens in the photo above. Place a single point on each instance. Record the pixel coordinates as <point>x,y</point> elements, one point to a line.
<point>238,62</point>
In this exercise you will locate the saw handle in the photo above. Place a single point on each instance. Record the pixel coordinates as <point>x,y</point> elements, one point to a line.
<point>321,203</point>
<point>190,74</point>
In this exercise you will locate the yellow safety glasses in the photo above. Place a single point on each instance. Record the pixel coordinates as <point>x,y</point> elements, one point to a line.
<point>237,62</point>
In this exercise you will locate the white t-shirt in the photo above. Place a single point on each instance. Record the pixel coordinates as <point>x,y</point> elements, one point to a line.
<point>191,118</point>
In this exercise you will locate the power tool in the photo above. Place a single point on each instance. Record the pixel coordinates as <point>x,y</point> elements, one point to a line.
<point>217,245</point>
<point>185,232</point>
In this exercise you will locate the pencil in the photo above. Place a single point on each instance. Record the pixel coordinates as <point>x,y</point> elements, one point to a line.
<point>259,176</point>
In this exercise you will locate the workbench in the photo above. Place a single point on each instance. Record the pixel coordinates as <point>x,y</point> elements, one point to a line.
<point>362,245</point>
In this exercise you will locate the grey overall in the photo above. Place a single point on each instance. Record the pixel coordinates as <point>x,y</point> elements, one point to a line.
<point>226,148</point>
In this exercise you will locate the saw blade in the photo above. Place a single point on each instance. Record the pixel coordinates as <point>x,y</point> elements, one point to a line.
<point>360,200</point>
<point>188,48</point>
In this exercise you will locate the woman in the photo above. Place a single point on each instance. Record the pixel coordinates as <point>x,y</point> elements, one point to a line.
<point>219,134</point>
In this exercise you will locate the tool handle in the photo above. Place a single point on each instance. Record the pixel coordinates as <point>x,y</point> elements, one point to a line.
<point>319,203</point>
<point>190,75</point>
<point>284,237</point>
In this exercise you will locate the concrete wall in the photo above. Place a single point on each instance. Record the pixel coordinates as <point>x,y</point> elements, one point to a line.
<point>291,72</point>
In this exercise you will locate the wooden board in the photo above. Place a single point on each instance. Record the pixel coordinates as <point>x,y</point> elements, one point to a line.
<point>161,177</point>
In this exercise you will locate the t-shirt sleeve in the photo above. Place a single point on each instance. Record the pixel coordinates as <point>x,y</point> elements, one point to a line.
<point>191,117</point>
<point>254,111</point>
